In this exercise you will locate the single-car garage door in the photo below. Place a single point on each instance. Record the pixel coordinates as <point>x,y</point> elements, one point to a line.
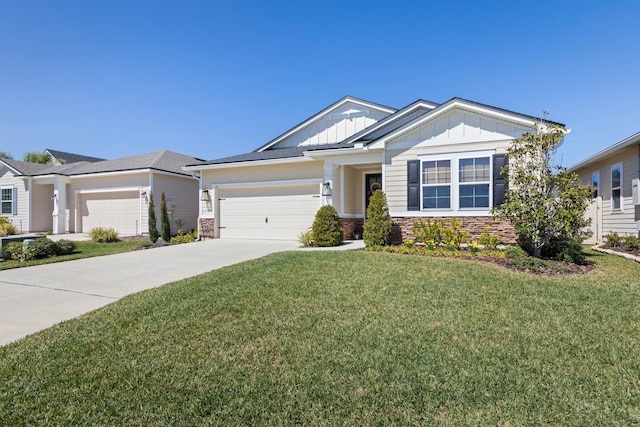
<point>119,210</point>
<point>268,213</point>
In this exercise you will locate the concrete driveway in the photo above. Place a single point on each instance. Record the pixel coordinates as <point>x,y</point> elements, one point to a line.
<point>34,298</point>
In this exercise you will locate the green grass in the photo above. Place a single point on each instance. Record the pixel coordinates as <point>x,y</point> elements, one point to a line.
<point>84,250</point>
<point>334,338</point>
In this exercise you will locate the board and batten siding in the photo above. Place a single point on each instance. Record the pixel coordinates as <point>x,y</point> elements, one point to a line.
<point>337,126</point>
<point>182,199</point>
<point>459,131</point>
<point>623,221</point>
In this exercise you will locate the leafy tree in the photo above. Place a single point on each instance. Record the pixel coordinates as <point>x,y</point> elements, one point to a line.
<point>153,229</point>
<point>546,203</point>
<point>326,230</point>
<point>165,225</point>
<point>5,155</point>
<point>34,157</point>
<point>378,226</point>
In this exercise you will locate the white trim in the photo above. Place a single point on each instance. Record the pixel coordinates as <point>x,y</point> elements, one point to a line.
<point>109,190</point>
<point>633,139</point>
<point>455,183</point>
<point>439,112</point>
<point>129,172</point>
<point>323,113</point>
<point>260,184</point>
<point>13,201</point>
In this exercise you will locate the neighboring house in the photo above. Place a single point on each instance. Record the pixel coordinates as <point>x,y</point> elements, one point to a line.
<point>61,158</point>
<point>432,161</point>
<point>78,196</point>
<point>613,173</point>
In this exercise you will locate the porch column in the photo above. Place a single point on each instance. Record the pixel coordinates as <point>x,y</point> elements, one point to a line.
<point>59,208</point>
<point>329,172</point>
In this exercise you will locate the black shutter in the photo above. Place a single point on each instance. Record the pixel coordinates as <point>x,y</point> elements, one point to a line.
<point>500,183</point>
<point>413,185</point>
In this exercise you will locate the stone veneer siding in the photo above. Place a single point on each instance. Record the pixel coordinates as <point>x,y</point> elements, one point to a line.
<point>474,226</point>
<point>207,229</point>
<point>350,225</point>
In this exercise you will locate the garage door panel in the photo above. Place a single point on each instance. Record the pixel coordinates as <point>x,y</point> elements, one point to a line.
<point>119,210</point>
<point>268,213</point>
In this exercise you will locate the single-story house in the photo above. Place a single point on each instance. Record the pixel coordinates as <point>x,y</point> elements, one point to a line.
<point>431,160</point>
<point>614,174</point>
<point>79,193</point>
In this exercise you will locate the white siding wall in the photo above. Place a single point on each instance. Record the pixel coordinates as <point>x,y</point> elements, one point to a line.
<point>21,220</point>
<point>182,199</point>
<point>624,221</point>
<point>342,123</point>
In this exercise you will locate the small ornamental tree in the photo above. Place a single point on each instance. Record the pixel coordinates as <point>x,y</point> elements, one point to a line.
<point>326,230</point>
<point>378,225</point>
<point>165,225</point>
<point>153,228</point>
<point>545,203</point>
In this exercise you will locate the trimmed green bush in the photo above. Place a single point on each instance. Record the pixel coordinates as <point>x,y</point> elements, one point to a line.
<point>65,247</point>
<point>104,235</point>
<point>165,225</point>
<point>326,230</point>
<point>6,227</point>
<point>153,228</point>
<point>185,238</point>
<point>378,226</point>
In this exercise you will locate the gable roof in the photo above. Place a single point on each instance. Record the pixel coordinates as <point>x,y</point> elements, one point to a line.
<point>64,157</point>
<point>398,121</point>
<point>633,139</point>
<point>164,160</point>
<point>324,112</point>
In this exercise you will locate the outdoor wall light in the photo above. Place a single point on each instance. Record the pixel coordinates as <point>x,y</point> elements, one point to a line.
<point>326,189</point>
<point>205,196</point>
<point>144,193</point>
<point>54,196</point>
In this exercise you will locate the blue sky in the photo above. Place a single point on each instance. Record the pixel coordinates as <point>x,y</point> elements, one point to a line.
<point>213,79</point>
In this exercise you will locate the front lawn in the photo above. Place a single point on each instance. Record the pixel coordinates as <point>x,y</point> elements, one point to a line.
<point>85,249</point>
<point>335,338</point>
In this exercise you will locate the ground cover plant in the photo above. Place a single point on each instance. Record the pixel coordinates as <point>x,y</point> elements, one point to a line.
<point>625,244</point>
<point>335,338</point>
<point>82,250</point>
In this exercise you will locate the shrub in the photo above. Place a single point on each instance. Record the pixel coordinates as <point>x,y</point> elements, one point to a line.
<point>6,227</point>
<point>153,228</point>
<point>428,232</point>
<point>326,230</point>
<point>104,235</point>
<point>378,225</point>
<point>185,238</point>
<point>631,242</point>
<point>13,250</point>
<point>165,225</point>
<point>45,248</point>
<point>488,240</point>
<point>521,259</point>
<point>453,236</point>
<point>306,239</point>
<point>65,247</point>
<point>613,239</point>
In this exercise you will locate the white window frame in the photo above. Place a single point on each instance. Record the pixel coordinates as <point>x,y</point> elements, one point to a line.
<point>11,202</point>
<point>455,208</point>
<point>598,189</point>
<point>619,188</point>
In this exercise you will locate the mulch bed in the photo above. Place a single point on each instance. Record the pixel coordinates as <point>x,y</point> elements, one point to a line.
<point>622,249</point>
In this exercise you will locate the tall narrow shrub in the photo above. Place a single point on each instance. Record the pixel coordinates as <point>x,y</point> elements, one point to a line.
<point>153,227</point>
<point>326,228</point>
<point>378,225</point>
<point>165,225</point>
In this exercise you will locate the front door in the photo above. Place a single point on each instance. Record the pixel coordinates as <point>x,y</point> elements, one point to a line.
<point>372,182</point>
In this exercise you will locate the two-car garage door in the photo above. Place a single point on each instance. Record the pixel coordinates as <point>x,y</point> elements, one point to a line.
<point>269,212</point>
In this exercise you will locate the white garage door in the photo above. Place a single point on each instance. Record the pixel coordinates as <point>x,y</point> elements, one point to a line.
<point>119,210</point>
<point>268,213</point>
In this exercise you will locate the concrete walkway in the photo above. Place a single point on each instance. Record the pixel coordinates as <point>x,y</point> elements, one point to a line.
<point>34,298</point>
